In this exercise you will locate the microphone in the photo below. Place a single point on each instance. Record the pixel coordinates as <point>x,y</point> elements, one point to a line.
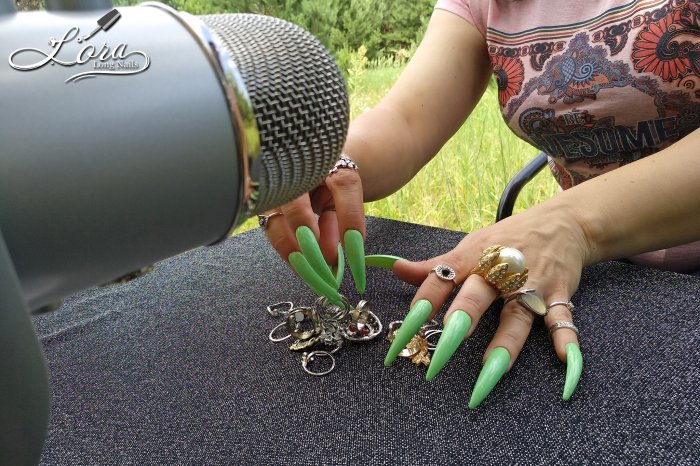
<point>153,134</point>
<point>119,146</point>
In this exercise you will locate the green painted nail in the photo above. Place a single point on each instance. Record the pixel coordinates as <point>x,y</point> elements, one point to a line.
<point>340,269</point>
<point>305,271</point>
<point>381,260</point>
<point>416,317</point>
<point>574,367</point>
<point>309,247</point>
<point>494,368</point>
<point>355,247</point>
<point>452,336</point>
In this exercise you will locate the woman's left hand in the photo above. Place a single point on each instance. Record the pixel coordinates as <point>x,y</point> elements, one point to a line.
<point>554,249</point>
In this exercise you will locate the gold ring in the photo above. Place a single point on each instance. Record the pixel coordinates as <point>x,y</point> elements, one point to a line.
<point>503,268</point>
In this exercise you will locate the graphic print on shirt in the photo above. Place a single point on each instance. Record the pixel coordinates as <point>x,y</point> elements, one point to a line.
<point>553,84</point>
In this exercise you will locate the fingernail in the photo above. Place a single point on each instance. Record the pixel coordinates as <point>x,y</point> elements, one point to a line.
<point>382,261</point>
<point>340,268</point>
<point>318,285</point>
<point>494,368</point>
<point>355,247</point>
<point>311,250</point>
<point>452,336</point>
<point>416,317</point>
<point>574,367</point>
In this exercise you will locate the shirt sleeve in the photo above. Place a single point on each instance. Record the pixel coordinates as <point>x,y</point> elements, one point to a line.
<point>471,11</point>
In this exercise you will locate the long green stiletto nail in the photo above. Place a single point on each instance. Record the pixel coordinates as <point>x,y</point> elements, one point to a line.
<point>452,336</point>
<point>494,368</point>
<point>355,247</point>
<point>311,250</point>
<point>340,268</point>
<point>574,367</point>
<point>316,283</point>
<point>382,261</point>
<point>416,317</point>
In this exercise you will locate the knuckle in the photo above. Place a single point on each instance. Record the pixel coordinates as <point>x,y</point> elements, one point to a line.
<point>469,302</point>
<point>344,179</point>
<point>518,313</point>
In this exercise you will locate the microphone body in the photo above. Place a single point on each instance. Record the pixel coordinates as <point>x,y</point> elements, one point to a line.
<point>144,141</point>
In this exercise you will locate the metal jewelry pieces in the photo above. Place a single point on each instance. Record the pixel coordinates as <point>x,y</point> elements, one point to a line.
<point>503,268</point>
<point>569,305</point>
<point>445,273</point>
<point>308,358</point>
<point>263,219</point>
<point>530,300</point>
<point>562,324</point>
<point>343,162</point>
<point>322,329</point>
<point>418,347</point>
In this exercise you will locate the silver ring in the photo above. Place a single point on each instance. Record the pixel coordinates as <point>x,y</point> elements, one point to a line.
<point>569,305</point>
<point>306,358</point>
<point>530,299</point>
<point>343,162</point>
<point>264,219</point>
<point>562,324</point>
<point>277,339</point>
<point>275,310</point>
<point>445,273</point>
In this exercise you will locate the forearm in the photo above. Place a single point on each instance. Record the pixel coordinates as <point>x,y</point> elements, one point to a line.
<point>387,153</point>
<point>438,89</point>
<point>650,204</point>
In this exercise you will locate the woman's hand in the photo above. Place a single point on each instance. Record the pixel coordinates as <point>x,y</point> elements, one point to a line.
<point>307,232</point>
<point>555,249</point>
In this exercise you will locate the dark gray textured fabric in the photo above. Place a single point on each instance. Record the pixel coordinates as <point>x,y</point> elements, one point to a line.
<point>176,368</point>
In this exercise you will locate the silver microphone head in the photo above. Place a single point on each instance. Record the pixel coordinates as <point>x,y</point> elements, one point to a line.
<point>299,102</point>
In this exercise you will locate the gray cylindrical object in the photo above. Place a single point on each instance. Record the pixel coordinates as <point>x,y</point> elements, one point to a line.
<point>101,175</point>
<point>7,7</point>
<point>78,5</point>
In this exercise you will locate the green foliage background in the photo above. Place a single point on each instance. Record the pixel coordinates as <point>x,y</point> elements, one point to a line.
<point>385,28</point>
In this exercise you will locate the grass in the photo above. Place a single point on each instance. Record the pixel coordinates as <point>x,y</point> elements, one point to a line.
<point>460,188</point>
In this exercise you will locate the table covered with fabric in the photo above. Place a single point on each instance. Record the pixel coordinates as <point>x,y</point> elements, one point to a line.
<point>176,367</point>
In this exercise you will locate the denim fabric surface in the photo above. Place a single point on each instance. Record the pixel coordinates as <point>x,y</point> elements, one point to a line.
<point>175,368</point>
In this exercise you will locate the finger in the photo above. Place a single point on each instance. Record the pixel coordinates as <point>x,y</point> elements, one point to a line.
<point>566,344</point>
<point>329,239</point>
<point>430,296</point>
<point>472,300</point>
<point>513,329</point>
<point>302,221</point>
<point>562,337</point>
<point>311,250</point>
<point>345,186</point>
<point>299,263</point>
<point>281,236</point>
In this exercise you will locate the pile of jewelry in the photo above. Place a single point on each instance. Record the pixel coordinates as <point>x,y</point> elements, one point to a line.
<point>418,348</point>
<point>322,329</point>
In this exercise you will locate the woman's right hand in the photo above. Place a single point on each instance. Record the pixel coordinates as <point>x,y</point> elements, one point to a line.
<point>309,231</point>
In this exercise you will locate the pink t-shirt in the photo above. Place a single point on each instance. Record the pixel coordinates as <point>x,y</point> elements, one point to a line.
<point>595,84</point>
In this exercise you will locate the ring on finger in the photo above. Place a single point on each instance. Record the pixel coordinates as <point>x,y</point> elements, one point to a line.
<point>444,273</point>
<point>502,267</point>
<point>569,305</point>
<point>343,162</point>
<point>530,299</point>
<point>562,324</point>
<point>263,219</point>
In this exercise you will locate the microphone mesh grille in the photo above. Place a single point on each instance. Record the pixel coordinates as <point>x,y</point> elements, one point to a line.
<point>299,100</point>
